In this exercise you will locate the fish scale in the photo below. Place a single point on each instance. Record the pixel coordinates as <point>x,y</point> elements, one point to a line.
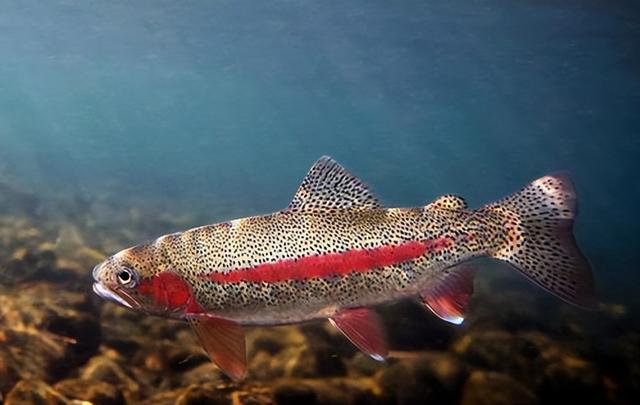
<point>335,251</point>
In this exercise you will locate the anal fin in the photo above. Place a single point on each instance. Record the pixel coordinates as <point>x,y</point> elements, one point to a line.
<point>363,328</point>
<point>224,342</point>
<point>448,296</point>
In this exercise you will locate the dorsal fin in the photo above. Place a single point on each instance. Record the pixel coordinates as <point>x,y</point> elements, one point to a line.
<point>329,185</point>
<point>449,202</point>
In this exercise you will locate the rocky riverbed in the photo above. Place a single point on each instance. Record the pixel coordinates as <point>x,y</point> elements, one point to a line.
<point>59,344</point>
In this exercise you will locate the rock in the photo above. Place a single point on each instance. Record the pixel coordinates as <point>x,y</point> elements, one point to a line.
<point>489,388</point>
<point>46,331</point>
<point>316,362</point>
<point>153,345</point>
<point>290,352</point>
<point>34,392</point>
<point>162,398</point>
<point>8,374</point>
<point>324,335</point>
<point>410,326</point>
<point>620,364</point>
<point>554,371</point>
<point>286,394</point>
<point>28,264</point>
<point>496,350</point>
<point>433,377</point>
<point>252,395</point>
<point>497,288</point>
<point>264,367</point>
<point>17,233</point>
<point>128,331</point>
<point>97,392</point>
<point>206,372</point>
<point>133,381</point>
<point>326,391</point>
<point>134,327</point>
<point>24,251</point>
<point>296,361</point>
<point>274,340</point>
<point>212,393</point>
<point>522,355</point>
<point>570,379</point>
<point>74,253</point>
<point>363,365</point>
<point>203,394</point>
<point>105,368</point>
<point>168,355</point>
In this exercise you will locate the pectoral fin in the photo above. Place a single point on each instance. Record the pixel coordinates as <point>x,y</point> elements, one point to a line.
<point>363,328</point>
<point>448,296</point>
<point>223,340</point>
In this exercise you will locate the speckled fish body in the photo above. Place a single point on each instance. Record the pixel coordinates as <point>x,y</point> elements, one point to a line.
<point>293,266</point>
<point>336,251</point>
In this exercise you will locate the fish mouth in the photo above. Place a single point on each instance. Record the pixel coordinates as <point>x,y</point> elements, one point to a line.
<point>121,297</point>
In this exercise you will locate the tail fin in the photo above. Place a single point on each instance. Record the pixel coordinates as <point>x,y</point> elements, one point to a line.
<point>539,239</point>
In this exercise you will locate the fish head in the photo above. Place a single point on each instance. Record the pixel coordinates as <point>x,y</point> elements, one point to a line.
<point>124,278</point>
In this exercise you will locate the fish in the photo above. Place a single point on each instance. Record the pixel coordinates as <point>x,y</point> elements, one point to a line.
<point>336,253</point>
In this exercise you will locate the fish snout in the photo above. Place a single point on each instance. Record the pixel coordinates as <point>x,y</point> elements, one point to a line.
<point>96,271</point>
<point>108,294</point>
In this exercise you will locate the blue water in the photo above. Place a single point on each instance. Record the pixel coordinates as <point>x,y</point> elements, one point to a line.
<point>201,105</point>
<point>122,120</point>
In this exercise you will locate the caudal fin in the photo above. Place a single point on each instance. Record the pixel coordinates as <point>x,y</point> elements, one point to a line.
<point>539,241</point>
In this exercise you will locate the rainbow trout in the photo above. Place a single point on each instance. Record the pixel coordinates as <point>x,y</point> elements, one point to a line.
<point>335,252</point>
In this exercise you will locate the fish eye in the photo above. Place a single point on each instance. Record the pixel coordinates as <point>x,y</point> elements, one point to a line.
<point>126,277</point>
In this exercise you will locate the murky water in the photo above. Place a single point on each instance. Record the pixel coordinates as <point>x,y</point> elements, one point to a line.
<point>122,121</point>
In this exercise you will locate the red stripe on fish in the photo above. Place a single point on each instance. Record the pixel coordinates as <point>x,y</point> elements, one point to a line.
<point>170,291</point>
<point>332,264</point>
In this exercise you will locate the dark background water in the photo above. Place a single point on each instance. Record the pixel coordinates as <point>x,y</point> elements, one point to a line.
<point>200,105</point>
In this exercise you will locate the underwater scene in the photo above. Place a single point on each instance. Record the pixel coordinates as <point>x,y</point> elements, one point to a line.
<point>406,202</point>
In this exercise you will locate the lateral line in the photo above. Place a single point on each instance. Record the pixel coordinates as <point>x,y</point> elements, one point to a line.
<point>332,264</point>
